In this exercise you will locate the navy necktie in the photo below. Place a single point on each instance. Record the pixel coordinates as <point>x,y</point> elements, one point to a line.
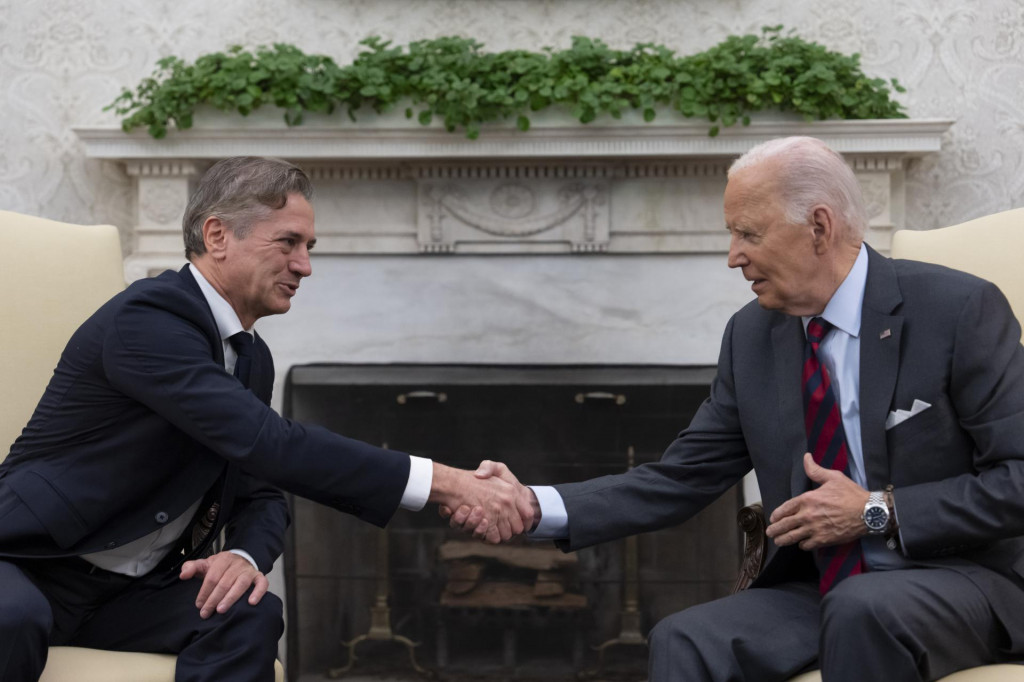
<point>242,342</point>
<point>826,441</point>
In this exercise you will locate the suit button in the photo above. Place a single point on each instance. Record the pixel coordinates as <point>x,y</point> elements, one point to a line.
<point>161,517</point>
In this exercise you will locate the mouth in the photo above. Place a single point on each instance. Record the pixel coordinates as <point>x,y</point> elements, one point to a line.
<point>289,288</point>
<point>758,285</point>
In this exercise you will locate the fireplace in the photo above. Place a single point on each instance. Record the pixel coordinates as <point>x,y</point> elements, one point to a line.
<point>526,611</point>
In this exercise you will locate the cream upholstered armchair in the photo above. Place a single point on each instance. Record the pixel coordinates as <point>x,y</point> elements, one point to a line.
<point>990,248</point>
<point>55,276</point>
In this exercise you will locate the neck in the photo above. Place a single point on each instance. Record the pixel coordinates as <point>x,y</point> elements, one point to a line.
<point>214,275</point>
<point>840,262</point>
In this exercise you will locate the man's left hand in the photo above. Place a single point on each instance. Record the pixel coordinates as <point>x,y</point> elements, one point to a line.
<point>226,577</point>
<point>828,515</point>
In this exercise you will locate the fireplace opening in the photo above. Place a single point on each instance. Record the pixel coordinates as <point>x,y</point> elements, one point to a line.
<point>419,595</point>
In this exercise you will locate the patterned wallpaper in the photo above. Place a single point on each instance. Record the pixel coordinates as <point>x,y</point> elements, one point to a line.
<point>61,61</point>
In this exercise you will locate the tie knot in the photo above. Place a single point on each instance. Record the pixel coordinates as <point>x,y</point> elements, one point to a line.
<point>817,328</point>
<point>242,343</point>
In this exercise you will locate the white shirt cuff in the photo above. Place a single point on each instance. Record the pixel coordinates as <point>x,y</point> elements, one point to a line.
<point>245,555</point>
<point>417,490</point>
<point>554,519</point>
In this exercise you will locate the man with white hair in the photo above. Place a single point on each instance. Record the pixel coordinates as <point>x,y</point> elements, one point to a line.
<point>881,404</point>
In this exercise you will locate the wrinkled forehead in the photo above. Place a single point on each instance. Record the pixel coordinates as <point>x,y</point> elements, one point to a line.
<point>749,194</point>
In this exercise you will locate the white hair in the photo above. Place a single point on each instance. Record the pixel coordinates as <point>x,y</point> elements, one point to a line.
<point>810,173</point>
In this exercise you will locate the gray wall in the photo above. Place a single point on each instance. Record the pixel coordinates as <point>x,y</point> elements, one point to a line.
<point>61,61</point>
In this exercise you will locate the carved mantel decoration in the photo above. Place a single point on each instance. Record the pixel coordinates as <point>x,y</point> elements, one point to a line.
<point>389,188</point>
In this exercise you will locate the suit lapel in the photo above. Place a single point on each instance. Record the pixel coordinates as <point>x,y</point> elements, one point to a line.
<point>787,346</point>
<point>880,334</point>
<point>211,324</point>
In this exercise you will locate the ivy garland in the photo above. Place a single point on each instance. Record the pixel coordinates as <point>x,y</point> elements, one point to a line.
<point>454,80</point>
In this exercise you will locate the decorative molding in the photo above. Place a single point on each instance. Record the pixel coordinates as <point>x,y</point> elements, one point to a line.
<point>503,216</point>
<point>644,141</point>
<point>164,168</point>
<point>400,188</point>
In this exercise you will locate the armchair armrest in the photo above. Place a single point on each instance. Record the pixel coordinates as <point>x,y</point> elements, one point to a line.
<point>751,522</point>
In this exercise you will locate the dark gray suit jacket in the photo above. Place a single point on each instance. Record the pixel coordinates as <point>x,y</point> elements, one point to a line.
<point>928,333</point>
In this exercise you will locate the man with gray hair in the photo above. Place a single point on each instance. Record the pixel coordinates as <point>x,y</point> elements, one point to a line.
<point>881,404</point>
<point>155,435</point>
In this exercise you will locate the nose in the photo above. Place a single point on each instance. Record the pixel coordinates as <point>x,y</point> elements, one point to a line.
<point>301,264</point>
<point>737,259</point>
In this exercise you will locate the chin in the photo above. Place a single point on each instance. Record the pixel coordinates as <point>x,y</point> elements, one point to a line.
<point>767,303</point>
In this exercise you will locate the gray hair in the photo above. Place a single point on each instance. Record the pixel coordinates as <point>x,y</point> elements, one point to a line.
<point>240,191</point>
<point>809,173</point>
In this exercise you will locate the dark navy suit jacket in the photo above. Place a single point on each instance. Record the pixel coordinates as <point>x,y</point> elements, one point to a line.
<point>140,420</point>
<point>928,333</point>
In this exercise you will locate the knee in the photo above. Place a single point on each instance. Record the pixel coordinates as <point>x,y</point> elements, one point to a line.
<point>264,617</point>
<point>26,619</point>
<point>850,605</point>
<point>671,632</point>
<point>678,643</point>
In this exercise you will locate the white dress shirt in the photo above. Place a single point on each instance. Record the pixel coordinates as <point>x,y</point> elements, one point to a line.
<point>141,556</point>
<point>840,352</point>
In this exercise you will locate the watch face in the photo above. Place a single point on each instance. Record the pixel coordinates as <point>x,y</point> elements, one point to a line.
<point>876,517</point>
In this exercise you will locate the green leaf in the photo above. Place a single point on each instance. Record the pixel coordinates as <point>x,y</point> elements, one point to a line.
<point>455,78</point>
<point>523,123</point>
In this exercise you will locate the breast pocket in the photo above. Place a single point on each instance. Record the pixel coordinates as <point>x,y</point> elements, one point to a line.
<point>928,446</point>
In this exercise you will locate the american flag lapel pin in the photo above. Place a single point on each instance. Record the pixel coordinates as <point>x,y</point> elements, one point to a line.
<point>885,334</point>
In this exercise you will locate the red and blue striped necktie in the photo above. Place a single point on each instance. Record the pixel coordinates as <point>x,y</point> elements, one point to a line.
<point>826,441</point>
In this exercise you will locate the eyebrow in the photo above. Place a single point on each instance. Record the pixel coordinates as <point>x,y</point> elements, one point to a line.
<point>297,237</point>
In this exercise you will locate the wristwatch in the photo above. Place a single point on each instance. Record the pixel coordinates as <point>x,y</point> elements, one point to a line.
<point>876,513</point>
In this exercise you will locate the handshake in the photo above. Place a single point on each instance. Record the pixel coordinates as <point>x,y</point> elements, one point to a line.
<point>489,503</point>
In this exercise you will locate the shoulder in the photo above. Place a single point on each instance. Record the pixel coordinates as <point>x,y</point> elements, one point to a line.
<point>170,291</point>
<point>919,277</point>
<point>158,305</point>
<point>936,288</point>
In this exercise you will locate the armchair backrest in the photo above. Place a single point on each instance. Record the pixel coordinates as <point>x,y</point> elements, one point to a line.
<point>989,247</point>
<point>53,275</point>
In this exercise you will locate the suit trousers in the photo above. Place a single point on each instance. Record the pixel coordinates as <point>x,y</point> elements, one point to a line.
<point>67,601</point>
<point>900,626</point>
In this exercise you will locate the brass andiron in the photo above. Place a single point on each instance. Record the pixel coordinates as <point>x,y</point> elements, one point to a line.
<point>380,618</point>
<point>629,633</point>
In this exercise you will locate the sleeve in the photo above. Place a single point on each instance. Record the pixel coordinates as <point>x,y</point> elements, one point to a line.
<point>705,460</point>
<point>258,522</point>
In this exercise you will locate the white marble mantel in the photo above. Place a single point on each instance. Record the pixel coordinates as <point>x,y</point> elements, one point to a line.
<point>563,245</point>
<point>388,186</point>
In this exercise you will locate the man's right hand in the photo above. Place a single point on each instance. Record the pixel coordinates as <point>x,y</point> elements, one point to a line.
<point>495,512</point>
<point>473,519</point>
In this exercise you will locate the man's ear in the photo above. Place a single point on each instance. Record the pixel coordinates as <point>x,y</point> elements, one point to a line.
<point>215,237</point>
<point>823,227</point>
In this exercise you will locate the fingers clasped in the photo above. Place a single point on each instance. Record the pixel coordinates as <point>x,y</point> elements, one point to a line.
<point>495,505</point>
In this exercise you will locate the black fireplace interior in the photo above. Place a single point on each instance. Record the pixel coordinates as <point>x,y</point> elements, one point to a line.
<point>526,611</point>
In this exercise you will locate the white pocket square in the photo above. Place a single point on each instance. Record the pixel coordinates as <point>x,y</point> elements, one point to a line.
<point>899,416</point>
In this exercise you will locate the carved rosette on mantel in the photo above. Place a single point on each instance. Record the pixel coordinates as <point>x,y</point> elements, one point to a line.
<point>392,187</point>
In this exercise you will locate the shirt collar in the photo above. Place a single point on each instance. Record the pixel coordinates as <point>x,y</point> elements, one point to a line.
<point>224,315</point>
<point>844,308</point>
